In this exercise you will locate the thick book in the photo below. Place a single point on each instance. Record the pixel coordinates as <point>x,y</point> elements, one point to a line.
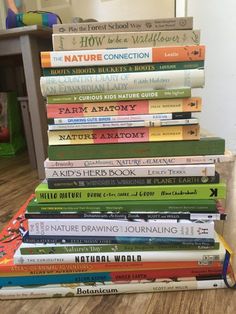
<point>133,256</point>
<point>119,96</point>
<point>88,41</point>
<point>204,146</point>
<point>153,122</point>
<point>68,290</point>
<point>139,67</point>
<point>73,84</point>
<point>62,183</point>
<point>125,26</point>
<point>122,228</point>
<point>163,109</point>
<point>127,162</point>
<point>188,205</point>
<point>132,171</point>
<point>131,193</point>
<point>124,135</point>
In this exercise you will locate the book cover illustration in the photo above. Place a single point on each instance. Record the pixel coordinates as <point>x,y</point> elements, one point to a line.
<point>11,236</point>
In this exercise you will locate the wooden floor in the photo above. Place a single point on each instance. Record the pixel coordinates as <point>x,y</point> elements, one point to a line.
<point>17,182</point>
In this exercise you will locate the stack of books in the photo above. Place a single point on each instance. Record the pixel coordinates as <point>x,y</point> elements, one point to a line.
<point>131,194</point>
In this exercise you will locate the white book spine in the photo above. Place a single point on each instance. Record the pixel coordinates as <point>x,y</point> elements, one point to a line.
<point>80,290</point>
<point>138,162</point>
<point>132,172</point>
<point>72,84</point>
<point>125,124</point>
<point>103,227</point>
<point>202,257</point>
<point>99,119</point>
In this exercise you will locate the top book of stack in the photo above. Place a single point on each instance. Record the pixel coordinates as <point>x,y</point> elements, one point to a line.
<point>125,34</point>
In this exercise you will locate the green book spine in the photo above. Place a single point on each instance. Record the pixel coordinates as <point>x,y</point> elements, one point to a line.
<point>146,67</point>
<point>79,249</point>
<point>119,96</point>
<point>131,193</point>
<point>190,205</point>
<point>205,146</point>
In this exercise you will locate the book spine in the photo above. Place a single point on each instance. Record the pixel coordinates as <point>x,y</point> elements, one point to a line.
<point>108,289</point>
<point>72,84</point>
<point>125,26</point>
<point>37,269</point>
<point>138,162</point>
<point>26,249</point>
<point>131,172</point>
<point>61,183</point>
<point>124,135</point>
<point>116,240</point>
<point>119,96</point>
<point>120,118</point>
<point>131,193</point>
<point>128,216</point>
<point>139,67</point>
<point>161,228</point>
<point>123,124</point>
<point>176,53</point>
<point>88,41</point>
<point>112,111</point>
<point>210,146</point>
<point>201,257</point>
<point>123,277</point>
<point>160,117</point>
<point>188,205</point>
<point>130,118</point>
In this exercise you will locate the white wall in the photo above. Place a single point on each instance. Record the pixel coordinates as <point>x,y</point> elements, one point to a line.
<point>108,10</point>
<point>216,19</point>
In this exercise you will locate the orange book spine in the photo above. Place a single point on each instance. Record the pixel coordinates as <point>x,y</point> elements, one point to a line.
<point>28,270</point>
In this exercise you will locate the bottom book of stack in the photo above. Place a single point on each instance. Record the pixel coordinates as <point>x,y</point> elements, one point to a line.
<point>40,270</point>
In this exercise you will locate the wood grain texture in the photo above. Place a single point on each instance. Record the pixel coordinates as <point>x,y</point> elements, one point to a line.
<point>17,182</point>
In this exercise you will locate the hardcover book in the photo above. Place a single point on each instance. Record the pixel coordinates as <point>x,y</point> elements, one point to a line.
<point>204,146</point>
<point>95,41</point>
<point>166,108</point>
<point>125,56</point>
<point>188,205</point>
<point>132,172</point>
<point>58,183</point>
<point>136,67</point>
<point>127,162</point>
<point>73,84</point>
<point>125,26</point>
<point>124,135</point>
<point>119,96</point>
<point>131,193</point>
<point>72,290</point>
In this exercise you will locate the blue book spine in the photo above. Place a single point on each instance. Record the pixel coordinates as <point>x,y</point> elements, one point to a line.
<point>55,279</point>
